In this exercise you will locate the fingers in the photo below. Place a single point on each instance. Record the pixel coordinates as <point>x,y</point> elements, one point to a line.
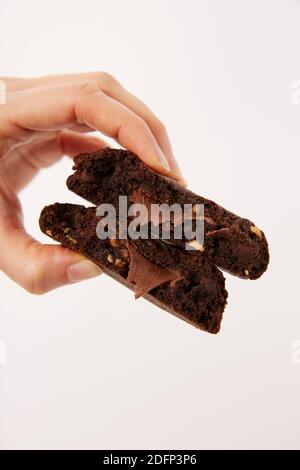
<point>111,87</point>
<point>38,268</point>
<point>72,143</point>
<point>41,268</point>
<point>14,84</point>
<point>80,103</point>
<point>24,162</point>
<point>115,90</point>
<point>117,121</point>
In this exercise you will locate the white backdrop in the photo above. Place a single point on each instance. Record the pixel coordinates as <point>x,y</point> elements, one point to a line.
<point>87,366</point>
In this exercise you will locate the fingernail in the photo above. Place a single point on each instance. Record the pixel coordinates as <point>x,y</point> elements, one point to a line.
<point>174,175</point>
<point>183,182</point>
<point>82,270</point>
<point>175,166</point>
<point>163,160</point>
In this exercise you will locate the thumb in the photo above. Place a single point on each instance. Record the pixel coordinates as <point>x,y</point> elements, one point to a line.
<point>36,267</point>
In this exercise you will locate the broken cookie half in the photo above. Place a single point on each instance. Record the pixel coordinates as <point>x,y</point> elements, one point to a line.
<point>195,293</point>
<point>179,275</point>
<point>231,242</point>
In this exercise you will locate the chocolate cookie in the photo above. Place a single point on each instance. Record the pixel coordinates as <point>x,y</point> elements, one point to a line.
<point>195,293</point>
<point>233,243</point>
<point>186,283</point>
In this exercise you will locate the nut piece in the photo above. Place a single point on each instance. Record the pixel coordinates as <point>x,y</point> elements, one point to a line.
<point>71,239</point>
<point>209,221</point>
<point>67,230</point>
<point>256,231</point>
<point>119,263</point>
<point>246,272</point>
<point>113,242</point>
<point>49,232</point>
<point>110,259</point>
<point>195,245</point>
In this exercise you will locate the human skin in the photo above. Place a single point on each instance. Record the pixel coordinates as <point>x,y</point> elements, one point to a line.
<point>44,119</point>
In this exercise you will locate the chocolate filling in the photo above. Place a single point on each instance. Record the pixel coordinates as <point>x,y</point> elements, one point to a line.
<point>146,275</point>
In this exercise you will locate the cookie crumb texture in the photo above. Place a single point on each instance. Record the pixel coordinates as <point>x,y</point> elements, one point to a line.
<point>196,295</point>
<point>188,284</point>
<point>233,243</point>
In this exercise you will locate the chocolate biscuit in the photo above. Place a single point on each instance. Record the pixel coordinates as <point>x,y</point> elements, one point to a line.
<point>186,283</point>
<point>196,293</point>
<point>233,243</point>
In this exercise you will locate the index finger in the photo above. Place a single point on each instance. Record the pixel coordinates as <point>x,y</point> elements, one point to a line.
<point>113,88</point>
<point>59,107</point>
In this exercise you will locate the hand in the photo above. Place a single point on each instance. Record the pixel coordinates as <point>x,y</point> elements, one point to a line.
<point>44,119</point>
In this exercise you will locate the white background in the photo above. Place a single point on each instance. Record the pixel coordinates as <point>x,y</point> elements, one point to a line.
<point>86,365</point>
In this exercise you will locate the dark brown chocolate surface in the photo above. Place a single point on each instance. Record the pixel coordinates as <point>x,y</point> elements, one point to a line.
<point>196,293</point>
<point>185,283</point>
<point>233,243</point>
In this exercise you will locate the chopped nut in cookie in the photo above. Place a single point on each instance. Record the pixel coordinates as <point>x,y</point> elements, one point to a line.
<point>195,245</point>
<point>256,231</point>
<point>71,239</point>
<point>110,258</point>
<point>119,263</point>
